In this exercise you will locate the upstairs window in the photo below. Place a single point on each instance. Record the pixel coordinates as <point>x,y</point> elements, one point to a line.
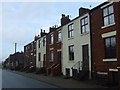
<point>70,31</point>
<point>71,52</point>
<point>110,47</point>
<point>108,14</point>
<point>59,36</point>
<point>51,39</point>
<point>84,25</point>
<point>31,46</point>
<point>40,43</point>
<point>44,41</point>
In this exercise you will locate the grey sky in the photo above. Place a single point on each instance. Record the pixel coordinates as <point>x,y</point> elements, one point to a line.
<point>21,21</point>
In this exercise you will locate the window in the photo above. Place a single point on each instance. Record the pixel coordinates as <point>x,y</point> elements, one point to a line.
<point>34,45</point>
<point>110,47</point>
<point>108,15</point>
<point>51,39</point>
<point>59,35</point>
<point>70,31</point>
<point>25,49</point>
<point>44,41</point>
<point>84,25</point>
<point>40,43</point>
<point>44,55</point>
<point>39,57</point>
<point>31,46</point>
<point>51,55</point>
<point>71,52</point>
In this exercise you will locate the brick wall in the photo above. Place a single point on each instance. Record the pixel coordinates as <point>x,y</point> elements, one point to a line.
<point>98,52</point>
<point>55,46</point>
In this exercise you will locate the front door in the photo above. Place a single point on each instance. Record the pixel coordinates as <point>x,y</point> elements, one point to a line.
<point>59,57</point>
<point>85,52</point>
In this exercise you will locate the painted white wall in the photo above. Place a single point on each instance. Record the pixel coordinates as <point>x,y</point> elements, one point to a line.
<point>78,40</point>
<point>41,50</point>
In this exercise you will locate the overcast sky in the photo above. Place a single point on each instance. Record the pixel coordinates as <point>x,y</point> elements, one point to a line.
<point>21,21</point>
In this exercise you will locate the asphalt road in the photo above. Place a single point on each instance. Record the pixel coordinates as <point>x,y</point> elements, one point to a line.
<point>12,80</point>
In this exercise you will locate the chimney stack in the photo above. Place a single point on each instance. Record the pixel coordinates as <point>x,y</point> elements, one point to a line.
<point>53,28</point>
<point>64,19</point>
<point>83,11</point>
<point>43,33</point>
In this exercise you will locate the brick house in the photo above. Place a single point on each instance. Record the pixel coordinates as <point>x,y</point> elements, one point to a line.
<point>30,54</point>
<point>54,48</point>
<point>53,52</point>
<point>105,31</point>
<point>15,61</point>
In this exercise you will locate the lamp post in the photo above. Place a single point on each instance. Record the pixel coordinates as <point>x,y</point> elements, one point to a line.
<point>15,47</point>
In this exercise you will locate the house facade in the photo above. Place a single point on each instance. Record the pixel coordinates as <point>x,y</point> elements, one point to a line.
<point>15,61</point>
<point>105,31</point>
<point>30,54</point>
<point>41,50</point>
<point>54,48</point>
<point>76,46</point>
<point>53,51</point>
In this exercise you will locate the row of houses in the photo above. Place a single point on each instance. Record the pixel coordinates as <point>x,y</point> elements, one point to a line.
<point>86,47</point>
<point>14,61</point>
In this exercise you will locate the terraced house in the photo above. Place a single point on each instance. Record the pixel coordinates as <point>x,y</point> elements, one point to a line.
<point>41,52</point>
<point>105,28</point>
<point>30,56</point>
<point>76,46</point>
<point>86,47</point>
<point>53,52</point>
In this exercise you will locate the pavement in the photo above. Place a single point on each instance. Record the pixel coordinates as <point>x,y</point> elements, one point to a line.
<point>59,81</point>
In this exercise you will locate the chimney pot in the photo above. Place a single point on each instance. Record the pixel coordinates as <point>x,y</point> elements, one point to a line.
<point>63,15</point>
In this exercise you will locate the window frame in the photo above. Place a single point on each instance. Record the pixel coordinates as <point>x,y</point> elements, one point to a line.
<point>59,33</point>
<point>109,50</point>
<point>39,56</point>
<point>71,31</point>
<point>51,38</point>
<point>71,53</point>
<point>51,55</point>
<point>40,43</point>
<point>108,15</point>
<point>85,25</point>
<point>44,41</point>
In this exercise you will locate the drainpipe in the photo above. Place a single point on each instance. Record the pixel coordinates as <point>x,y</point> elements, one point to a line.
<point>90,43</point>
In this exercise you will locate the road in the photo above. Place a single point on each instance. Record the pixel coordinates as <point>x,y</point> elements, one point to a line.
<point>12,80</point>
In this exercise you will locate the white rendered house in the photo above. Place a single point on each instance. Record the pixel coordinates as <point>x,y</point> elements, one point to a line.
<point>76,48</point>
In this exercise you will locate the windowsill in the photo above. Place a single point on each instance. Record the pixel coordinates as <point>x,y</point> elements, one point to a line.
<point>51,44</point>
<point>71,61</point>
<point>107,26</point>
<point>115,70</point>
<point>118,67</point>
<point>70,38</point>
<point>58,41</point>
<point>51,61</point>
<point>109,60</point>
<point>84,33</point>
